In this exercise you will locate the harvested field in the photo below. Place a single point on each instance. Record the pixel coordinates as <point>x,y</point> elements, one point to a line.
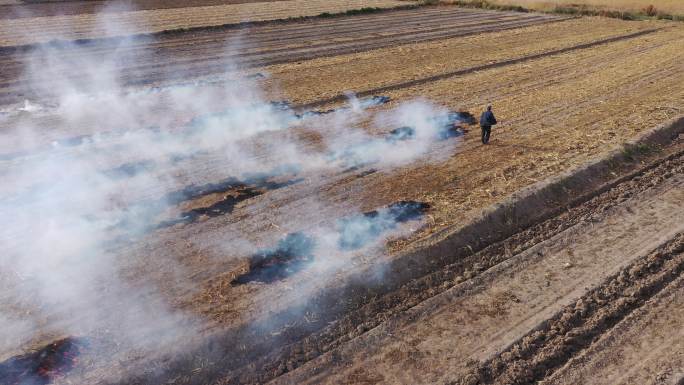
<point>19,9</point>
<point>258,224</point>
<point>208,54</point>
<point>31,30</point>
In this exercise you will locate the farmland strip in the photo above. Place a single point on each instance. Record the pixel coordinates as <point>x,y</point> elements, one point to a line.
<point>282,39</point>
<point>329,49</point>
<point>84,28</point>
<point>430,79</point>
<point>145,74</point>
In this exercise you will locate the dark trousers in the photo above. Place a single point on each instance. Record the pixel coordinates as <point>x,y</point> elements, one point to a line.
<point>486,131</point>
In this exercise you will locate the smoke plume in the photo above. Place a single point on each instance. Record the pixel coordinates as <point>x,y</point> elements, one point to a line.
<point>95,167</point>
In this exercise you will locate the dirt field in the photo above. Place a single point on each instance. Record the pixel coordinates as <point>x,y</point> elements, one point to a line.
<point>584,279</point>
<point>208,54</point>
<point>31,30</point>
<point>526,268</point>
<point>19,9</point>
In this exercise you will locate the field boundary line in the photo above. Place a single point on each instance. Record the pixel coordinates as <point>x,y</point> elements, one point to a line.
<point>466,71</point>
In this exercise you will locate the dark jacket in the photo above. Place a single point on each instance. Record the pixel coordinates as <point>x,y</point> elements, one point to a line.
<point>487,119</point>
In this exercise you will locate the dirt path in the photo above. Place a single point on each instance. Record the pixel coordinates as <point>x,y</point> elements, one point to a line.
<point>646,348</point>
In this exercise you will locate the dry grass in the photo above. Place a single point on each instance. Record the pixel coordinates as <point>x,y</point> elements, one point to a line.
<point>627,9</point>
<point>669,6</point>
<point>72,27</point>
<point>382,67</point>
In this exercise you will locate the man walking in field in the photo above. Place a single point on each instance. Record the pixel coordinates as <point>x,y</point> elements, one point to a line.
<point>487,120</point>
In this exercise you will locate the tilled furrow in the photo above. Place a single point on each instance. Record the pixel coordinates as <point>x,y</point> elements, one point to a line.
<point>465,71</point>
<point>203,65</point>
<point>577,326</point>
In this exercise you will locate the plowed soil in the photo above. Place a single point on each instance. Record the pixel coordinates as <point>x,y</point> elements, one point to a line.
<point>31,30</point>
<point>201,54</point>
<point>535,310</point>
<point>19,9</point>
<point>564,287</point>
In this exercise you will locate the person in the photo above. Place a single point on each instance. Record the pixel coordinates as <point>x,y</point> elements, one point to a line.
<point>487,120</point>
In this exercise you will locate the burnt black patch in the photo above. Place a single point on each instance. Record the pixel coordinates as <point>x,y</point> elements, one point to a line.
<point>236,192</point>
<point>196,191</point>
<point>401,133</point>
<point>366,173</point>
<point>44,365</point>
<point>222,207</point>
<point>281,105</point>
<point>450,131</point>
<point>375,100</point>
<point>180,157</point>
<point>463,117</point>
<point>256,180</point>
<point>357,231</point>
<point>453,126</point>
<point>312,113</point>
<point>128,170</point>
<point>292,254</point>
<point>404,211</point>
<point>73,141</point>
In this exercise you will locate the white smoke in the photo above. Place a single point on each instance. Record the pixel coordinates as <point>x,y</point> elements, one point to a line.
<point>72,207</point>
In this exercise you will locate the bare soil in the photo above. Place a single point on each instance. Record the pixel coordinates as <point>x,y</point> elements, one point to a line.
<point>40,8</point>
<point>32,30</point>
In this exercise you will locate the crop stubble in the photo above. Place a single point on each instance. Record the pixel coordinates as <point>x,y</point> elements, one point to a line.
<point>31,30</point>
<point>207,54</point>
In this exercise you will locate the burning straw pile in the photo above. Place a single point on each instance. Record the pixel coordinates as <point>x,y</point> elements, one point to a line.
<point>42,366</point>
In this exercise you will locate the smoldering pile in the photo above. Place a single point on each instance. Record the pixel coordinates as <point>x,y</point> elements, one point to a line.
<point>296,251</point>
<point>450,126</point>
<point>43,365</point>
